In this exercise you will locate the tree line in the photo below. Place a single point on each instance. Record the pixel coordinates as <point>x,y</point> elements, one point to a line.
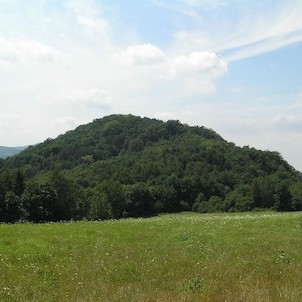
<point>59,198</point>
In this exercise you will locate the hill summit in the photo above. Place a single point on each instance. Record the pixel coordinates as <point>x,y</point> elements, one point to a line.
<point>124,165</point>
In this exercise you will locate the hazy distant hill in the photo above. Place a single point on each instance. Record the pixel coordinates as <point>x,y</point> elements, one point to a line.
<point>10,151</point>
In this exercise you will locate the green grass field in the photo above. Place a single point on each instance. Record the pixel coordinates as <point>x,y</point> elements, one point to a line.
<point>179,257</point>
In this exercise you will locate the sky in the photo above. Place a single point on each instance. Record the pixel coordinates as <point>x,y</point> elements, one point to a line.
<point>234,66</point>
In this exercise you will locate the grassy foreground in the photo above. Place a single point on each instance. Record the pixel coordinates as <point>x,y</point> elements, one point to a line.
<point>181,257</point>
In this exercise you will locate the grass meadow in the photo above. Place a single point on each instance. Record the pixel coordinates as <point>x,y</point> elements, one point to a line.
<point>177,257</point>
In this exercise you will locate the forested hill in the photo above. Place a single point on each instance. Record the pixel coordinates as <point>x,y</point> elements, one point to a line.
<point>123,165</point>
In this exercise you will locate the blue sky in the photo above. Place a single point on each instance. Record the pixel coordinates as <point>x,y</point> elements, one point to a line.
<point>231,65</point>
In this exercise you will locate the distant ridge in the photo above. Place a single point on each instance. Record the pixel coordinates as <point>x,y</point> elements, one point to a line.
<point>10,151</point>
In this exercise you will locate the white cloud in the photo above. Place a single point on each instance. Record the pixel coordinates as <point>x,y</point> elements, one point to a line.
<point>145,54</point>
<point>64,124</point>
<point>197,71</point>
<point>165,116</point>
<point>287,123</point>
<point>194,72</point>
<point>60,125</point>
<point>8,124</point>
<point>299,97</point>
<point>197,63</point>
<point>201,85</point>
<point>92,97</point>
<point>12,51</point>
<point>9,118</point>
<point>98,25</point>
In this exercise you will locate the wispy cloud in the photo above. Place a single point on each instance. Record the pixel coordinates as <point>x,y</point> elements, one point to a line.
<point>207,4</point>
<point>263,46</point>
<point>89,18</point>
<point>249,31</point>
<point>176,7</point>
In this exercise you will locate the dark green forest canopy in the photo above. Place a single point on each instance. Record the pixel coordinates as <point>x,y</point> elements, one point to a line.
<point>124,165</point>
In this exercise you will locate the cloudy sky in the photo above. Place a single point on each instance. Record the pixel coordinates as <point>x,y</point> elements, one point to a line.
<point>231,65</point>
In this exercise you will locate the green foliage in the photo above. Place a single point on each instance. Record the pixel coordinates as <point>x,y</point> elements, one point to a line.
<point>235,201</point>
<point>282,257</point>
<point>64,190</point>
<point>19,185</point>
<point>296,192</point>
<point>12,210</point>
<point>139,200</point>
<point>115,196</point>
<point>283,197</point>
<point>132,166</point>
<point>100,208</point>
<point>165,196</point>
<point>195,206</point>
<point>214,204</point>
<point>40,203</point>
<point>193,285</point>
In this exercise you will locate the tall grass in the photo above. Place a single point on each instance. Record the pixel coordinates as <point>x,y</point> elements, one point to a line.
<point>181,257</point>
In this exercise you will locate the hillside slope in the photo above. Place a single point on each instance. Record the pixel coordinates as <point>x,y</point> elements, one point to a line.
<point>127,165</point>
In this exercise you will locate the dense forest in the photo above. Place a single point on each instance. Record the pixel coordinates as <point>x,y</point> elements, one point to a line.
<point>127,166</point>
